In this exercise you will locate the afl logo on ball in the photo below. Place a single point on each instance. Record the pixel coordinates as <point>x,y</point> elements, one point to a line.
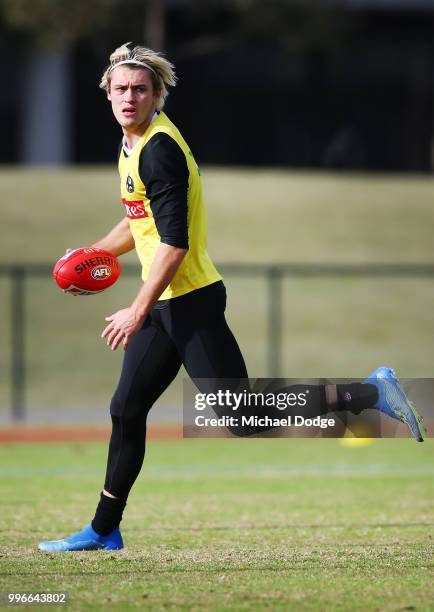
<point>101,272</point>
<point>130,184</point>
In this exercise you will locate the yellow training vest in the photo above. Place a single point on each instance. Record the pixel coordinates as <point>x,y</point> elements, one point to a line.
<point>196,269</point>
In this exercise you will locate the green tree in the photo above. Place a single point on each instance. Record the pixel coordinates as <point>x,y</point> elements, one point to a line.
<point>56,24</point>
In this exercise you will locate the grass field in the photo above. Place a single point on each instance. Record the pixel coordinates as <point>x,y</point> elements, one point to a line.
<point>230,525</point>
<point>254,216</point>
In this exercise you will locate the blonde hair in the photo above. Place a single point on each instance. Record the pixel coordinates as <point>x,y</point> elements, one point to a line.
<point>161,70</point>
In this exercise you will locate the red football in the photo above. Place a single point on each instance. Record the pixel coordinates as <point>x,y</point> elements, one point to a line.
<point>86,271</point>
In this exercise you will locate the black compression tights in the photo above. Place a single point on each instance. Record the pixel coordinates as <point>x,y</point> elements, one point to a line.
<point>189,330</point>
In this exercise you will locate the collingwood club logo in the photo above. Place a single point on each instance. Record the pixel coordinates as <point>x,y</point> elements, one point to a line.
<point>130,184</point>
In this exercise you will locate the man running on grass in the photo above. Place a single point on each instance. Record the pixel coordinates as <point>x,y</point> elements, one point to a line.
<point>178,316</point>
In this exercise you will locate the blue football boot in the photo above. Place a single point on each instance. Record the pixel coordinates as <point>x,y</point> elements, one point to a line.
<point>393,401</point>
<point>86,539</point>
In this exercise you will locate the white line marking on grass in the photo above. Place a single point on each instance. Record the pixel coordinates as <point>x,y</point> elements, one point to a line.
<point>236,471</point>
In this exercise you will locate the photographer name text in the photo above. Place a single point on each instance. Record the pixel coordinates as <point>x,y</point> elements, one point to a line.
<point>265,421</point>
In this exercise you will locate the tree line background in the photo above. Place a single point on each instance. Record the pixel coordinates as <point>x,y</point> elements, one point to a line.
<point>313,83</point>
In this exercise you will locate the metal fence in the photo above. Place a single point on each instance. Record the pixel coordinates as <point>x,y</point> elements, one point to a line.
<point>274,275</point>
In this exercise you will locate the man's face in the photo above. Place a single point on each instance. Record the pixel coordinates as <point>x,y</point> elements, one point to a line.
<point>133,97</point>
